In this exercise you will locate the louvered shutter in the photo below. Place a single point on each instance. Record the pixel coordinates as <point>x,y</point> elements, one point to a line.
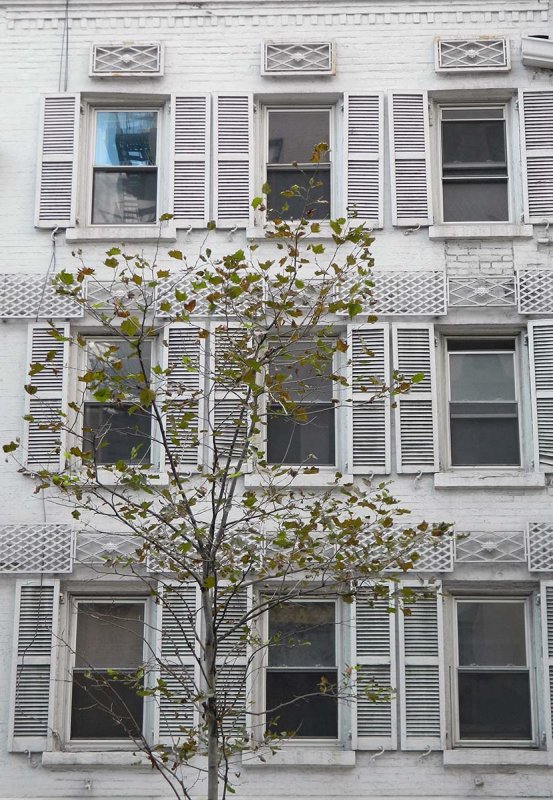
<point>178,622</point>
<point>232,661</point>
<point>184,356</point>
<point>536,138</point>
<point>546,607</point>
<point>234,160</point>
<point>57,161</point>
<point>416,411</point>
<point>376,668</point>
<point>540,337</point>
<point>191,150</point>
<point>410,159</point>
<point>35,640</point>
<point>421,672</point>
<point>364,148</point>
<point>369,429</point>
<point>228,411</point>
<point>43,438</point>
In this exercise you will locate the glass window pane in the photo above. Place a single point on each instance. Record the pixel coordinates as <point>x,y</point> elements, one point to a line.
<point>103,708</point>
<point>482,112</point>
<point>482,377</point>
<point>475,201</point>
<point>305,635</point>
<point>109,635</point>
<point>113,432</point>
<point>486,441</point>
<point>293,442</point>
<point>314,202</point>
<point>126,138</point>
<point>494,705</point>
<point>124,198</point>
<point>314,716</point>
<point>491,634</point>
<point>476,142</point>
<point>104,355</point>
<point>294,134</point>
<point>306,371</point>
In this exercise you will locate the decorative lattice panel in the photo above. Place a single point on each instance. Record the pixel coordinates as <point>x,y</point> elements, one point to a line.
<point>103,548</point>
<point>472,55</point>
<point>436,555</point>
<point>540,546</point>
<point>43,547</point>
<point>504,547</point>
<point>481,291</point>
<point>105,295</point>
<point>126,58</point>
<point>291,58</point>
<point>535,291</point>
<point>33,297</point>
<point>409,292</point>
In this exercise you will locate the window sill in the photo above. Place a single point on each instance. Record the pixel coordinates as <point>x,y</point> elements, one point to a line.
<point>324,477</point>
<point>485,479</point>
<point>85,760</point>
<point>122,233</point>
<point>254,233</point>
<point>490,756</point>
<point>303,757</point>
<point>480,230</point>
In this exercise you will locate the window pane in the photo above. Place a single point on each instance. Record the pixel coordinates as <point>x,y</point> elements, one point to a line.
<point>294,134</point>
<point>112,433</point>
<point>103,708</point>
<point>305,635</point>
<point>478,112</point>
<point>314,717</point>
<point>487,441</point>
<point>109,635</point>
<point>494,705</point>
<point>491,634</point>
<point>306,372</point>
<point>314,202</point>
<point>482,377</point>
<point>310,442</point>
<point>103,353</point>
<point>124,198</point>
<point>475,201</point>
<point>477,142</point>
<point>126,138</point>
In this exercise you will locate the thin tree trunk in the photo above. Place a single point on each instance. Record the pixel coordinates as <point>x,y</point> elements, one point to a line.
<point>210,673</point>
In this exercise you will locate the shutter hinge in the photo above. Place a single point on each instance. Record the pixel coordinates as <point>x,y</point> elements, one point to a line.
<point>81,109</point>
<point>517,104</point>
<point>435,341</point>
<point>525,339</point>
<point>538,599</point>
<point>62,598</point>
<point>255,108</point>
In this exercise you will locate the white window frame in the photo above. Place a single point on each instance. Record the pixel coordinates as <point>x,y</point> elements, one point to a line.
<point>531,661</point>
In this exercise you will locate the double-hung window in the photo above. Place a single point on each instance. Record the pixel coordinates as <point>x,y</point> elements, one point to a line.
<point>493,675</point>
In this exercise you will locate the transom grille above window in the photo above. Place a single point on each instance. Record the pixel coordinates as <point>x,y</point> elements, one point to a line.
<point>291,58</point>
<point>126,59</point>
<point>472,55</point>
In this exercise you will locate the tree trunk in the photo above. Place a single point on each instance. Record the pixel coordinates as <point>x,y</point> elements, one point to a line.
<point>210,672</point>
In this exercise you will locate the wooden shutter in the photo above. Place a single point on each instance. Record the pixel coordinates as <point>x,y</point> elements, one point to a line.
<point>35,640</point>
<point>546,607</point>
<point>43,438</point>
<point>540,338</point>
<point>416,411</point>
<point>536,139</point>
<point>191,150</point>
<point>369,429</point>
<point>421,672</point>
<point>232,661</point>
<point>364,149</point>
<point>228,414</point>
<point>57,161</point>
<point>184,356</point>
<point>376,667</point>
<point>234,160</point>
<point>410,159</point>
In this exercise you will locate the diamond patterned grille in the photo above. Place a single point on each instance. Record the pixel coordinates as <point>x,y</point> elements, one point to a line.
<point>105,295</point>
<point>126,59</point>
<point>477,547</point>
<point>481,291</point>
<point>436,555</point>
<point>36,548</point>
<point>408,292</point>
<point>33,297</point>
<point>535,291</point>
<point>311,58</point>
<point>468,55</point>
<point>101,548</point>
<point>540,546</point>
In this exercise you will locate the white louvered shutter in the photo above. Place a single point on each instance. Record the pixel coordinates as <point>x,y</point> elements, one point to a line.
<point>364,149</point>
<point>191,151</point>
<point>369,429</point>
<point>376,668</point>
<point>536,139</point>
<point>178,623</point>
<point>416,411</point>
<point>234,160</point>
<point>44,445</point>
<point>410,159</point>
<point>540,338</point>
<point>546,607</point>
<point>35,640</point>
<point>228,412</point>
<point>232,662</point>
<point>421,672</point>
<point>57,161</point>
<point>184,356</point>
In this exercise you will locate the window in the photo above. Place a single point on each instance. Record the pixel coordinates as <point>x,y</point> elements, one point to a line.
<point>305,435</point>
<point>483,402</point>
<point>301,662</point>
<point>117,429</point>
<point>124,171</point>
<point>474,172</point>
<point>292,133</point>
<point>108,634</point>
<point>493,678</point>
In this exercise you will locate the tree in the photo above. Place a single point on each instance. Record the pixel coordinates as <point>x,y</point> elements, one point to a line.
<point>205,453</point>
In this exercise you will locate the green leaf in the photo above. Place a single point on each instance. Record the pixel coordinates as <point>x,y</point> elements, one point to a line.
<point>9,448</point>
<point>175,254</point>
<point>102,395</point>
<point>256,202</point>
<point>147,396</point>
<point>209,582</point>
<point>417,377</point>
<point>66,278</point>
<point>165,217</point>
